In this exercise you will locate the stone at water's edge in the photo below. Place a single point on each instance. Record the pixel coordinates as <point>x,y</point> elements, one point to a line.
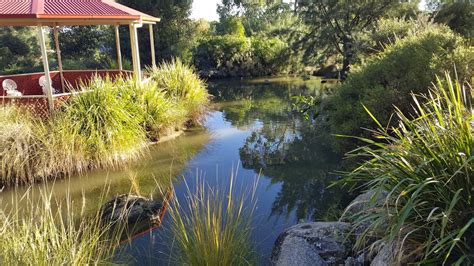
<point>364,202</point>
<point>317,243</point>
<point>136,213</point>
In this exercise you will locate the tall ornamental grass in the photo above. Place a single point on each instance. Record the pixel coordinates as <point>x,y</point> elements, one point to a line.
<point>426,165</point>
<point>213,226</point>
<point>101,121</point>
<point>46,232</point>
<point>183,85</point>
<point>108,123</point>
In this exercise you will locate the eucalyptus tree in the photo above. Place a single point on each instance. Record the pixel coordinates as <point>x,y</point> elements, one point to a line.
<point>331,25</point>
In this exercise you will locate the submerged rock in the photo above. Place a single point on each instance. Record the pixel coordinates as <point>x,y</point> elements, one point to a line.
<point>136,214</point>
<point>317,243</point>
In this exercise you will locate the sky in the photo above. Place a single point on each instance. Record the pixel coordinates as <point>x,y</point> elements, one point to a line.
<point>206,9</point>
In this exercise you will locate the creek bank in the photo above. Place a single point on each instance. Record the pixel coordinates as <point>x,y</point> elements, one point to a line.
<point>332,243</point>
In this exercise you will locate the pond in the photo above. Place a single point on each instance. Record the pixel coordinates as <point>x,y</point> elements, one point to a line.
<point>250,132</point>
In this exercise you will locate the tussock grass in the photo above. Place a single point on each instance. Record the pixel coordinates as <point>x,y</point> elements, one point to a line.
<point>108,124</point>
<point>48,233</point>
<point>213,226</point>
<point>426,165</point>
<point>180,83</point>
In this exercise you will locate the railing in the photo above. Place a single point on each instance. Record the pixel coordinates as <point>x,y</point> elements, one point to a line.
<point>33,99</point>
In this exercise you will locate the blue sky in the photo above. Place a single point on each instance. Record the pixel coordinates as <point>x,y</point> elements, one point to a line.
<point>205,9</point>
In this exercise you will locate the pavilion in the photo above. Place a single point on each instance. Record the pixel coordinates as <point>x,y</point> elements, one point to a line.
<point>36,91</point>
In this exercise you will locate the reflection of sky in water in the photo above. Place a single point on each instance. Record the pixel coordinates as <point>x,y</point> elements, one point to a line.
<point>285,193</point>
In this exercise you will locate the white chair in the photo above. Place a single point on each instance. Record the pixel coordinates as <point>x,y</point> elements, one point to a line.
<point>10,87</point>
<point>42,83</point>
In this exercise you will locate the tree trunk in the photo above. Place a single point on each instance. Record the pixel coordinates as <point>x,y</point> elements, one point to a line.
<point>348,56</point>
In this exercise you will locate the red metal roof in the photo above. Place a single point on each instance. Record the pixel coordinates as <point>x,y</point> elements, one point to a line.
<point>69,9</point>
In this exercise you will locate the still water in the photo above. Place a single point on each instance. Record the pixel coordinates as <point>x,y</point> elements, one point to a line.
<point>251,132</point>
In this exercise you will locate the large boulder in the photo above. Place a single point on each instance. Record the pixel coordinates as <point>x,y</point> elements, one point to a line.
<point>316,243</point>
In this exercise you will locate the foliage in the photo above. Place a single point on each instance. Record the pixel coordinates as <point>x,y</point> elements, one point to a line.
<point>332,25</point>
<point>231,26</point>
<point>388,78</point>
<point>39,234</point>
<point>213,226</point>
<point>19,50</point>
<point>175,35</point>
<point>235,56</point>
<point>184,87</point>
<point>100,119</point>
<point>104,125</point>
<point>458,16</point>
<point>426,166</point>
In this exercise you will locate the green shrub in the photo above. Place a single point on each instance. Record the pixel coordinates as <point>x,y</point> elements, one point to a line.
<point>426,166</point>
<point>406,66</point>
<point>184,88</point>
<point>240,56</point>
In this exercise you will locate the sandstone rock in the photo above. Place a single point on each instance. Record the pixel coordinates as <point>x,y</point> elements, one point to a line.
<point>317,243</point>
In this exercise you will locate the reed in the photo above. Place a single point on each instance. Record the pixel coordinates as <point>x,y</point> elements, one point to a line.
<point>46,232</point>
<point>213,226</point>
<point>426,166</point>
<point>181,84</point>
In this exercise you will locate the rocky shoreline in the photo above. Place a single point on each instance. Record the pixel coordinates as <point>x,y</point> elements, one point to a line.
<point>333,243</point>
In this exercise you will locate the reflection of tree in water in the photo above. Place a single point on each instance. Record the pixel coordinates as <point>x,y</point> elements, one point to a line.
<point>296,155</point>
<point>287,149</point>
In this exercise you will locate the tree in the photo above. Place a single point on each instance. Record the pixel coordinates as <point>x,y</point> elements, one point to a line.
<point>174,34</point>
<point>19,50</point>
<point>332,25</point>
<point>458,16</point>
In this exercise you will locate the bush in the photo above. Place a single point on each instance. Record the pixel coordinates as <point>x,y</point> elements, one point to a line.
<point>388,78</point>
<point>187,91</point>
<point>239,56</point>
<point>426,166</point>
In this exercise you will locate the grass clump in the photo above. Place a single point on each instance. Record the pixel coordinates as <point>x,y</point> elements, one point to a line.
<point>43,234</point>
<point>99,119</point>
<point>426,166</point>
<point>184,87</point>
<point>108,123</point>
<point>213,227</point>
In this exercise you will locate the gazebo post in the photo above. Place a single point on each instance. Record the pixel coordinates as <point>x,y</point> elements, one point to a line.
<point>152,46</point>
<point>135,51</point>
<point>58,54</point>
<point>117,46</point>
<point>44,54</point>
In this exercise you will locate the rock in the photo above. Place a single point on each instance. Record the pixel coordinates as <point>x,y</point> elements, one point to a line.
<point>329,71</point>
<point>135,213</point>
<point>386,255</point>
<point>363,202</point>
<point>316,243</point>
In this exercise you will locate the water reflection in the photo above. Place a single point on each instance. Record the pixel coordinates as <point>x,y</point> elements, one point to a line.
<point>283,146</point>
